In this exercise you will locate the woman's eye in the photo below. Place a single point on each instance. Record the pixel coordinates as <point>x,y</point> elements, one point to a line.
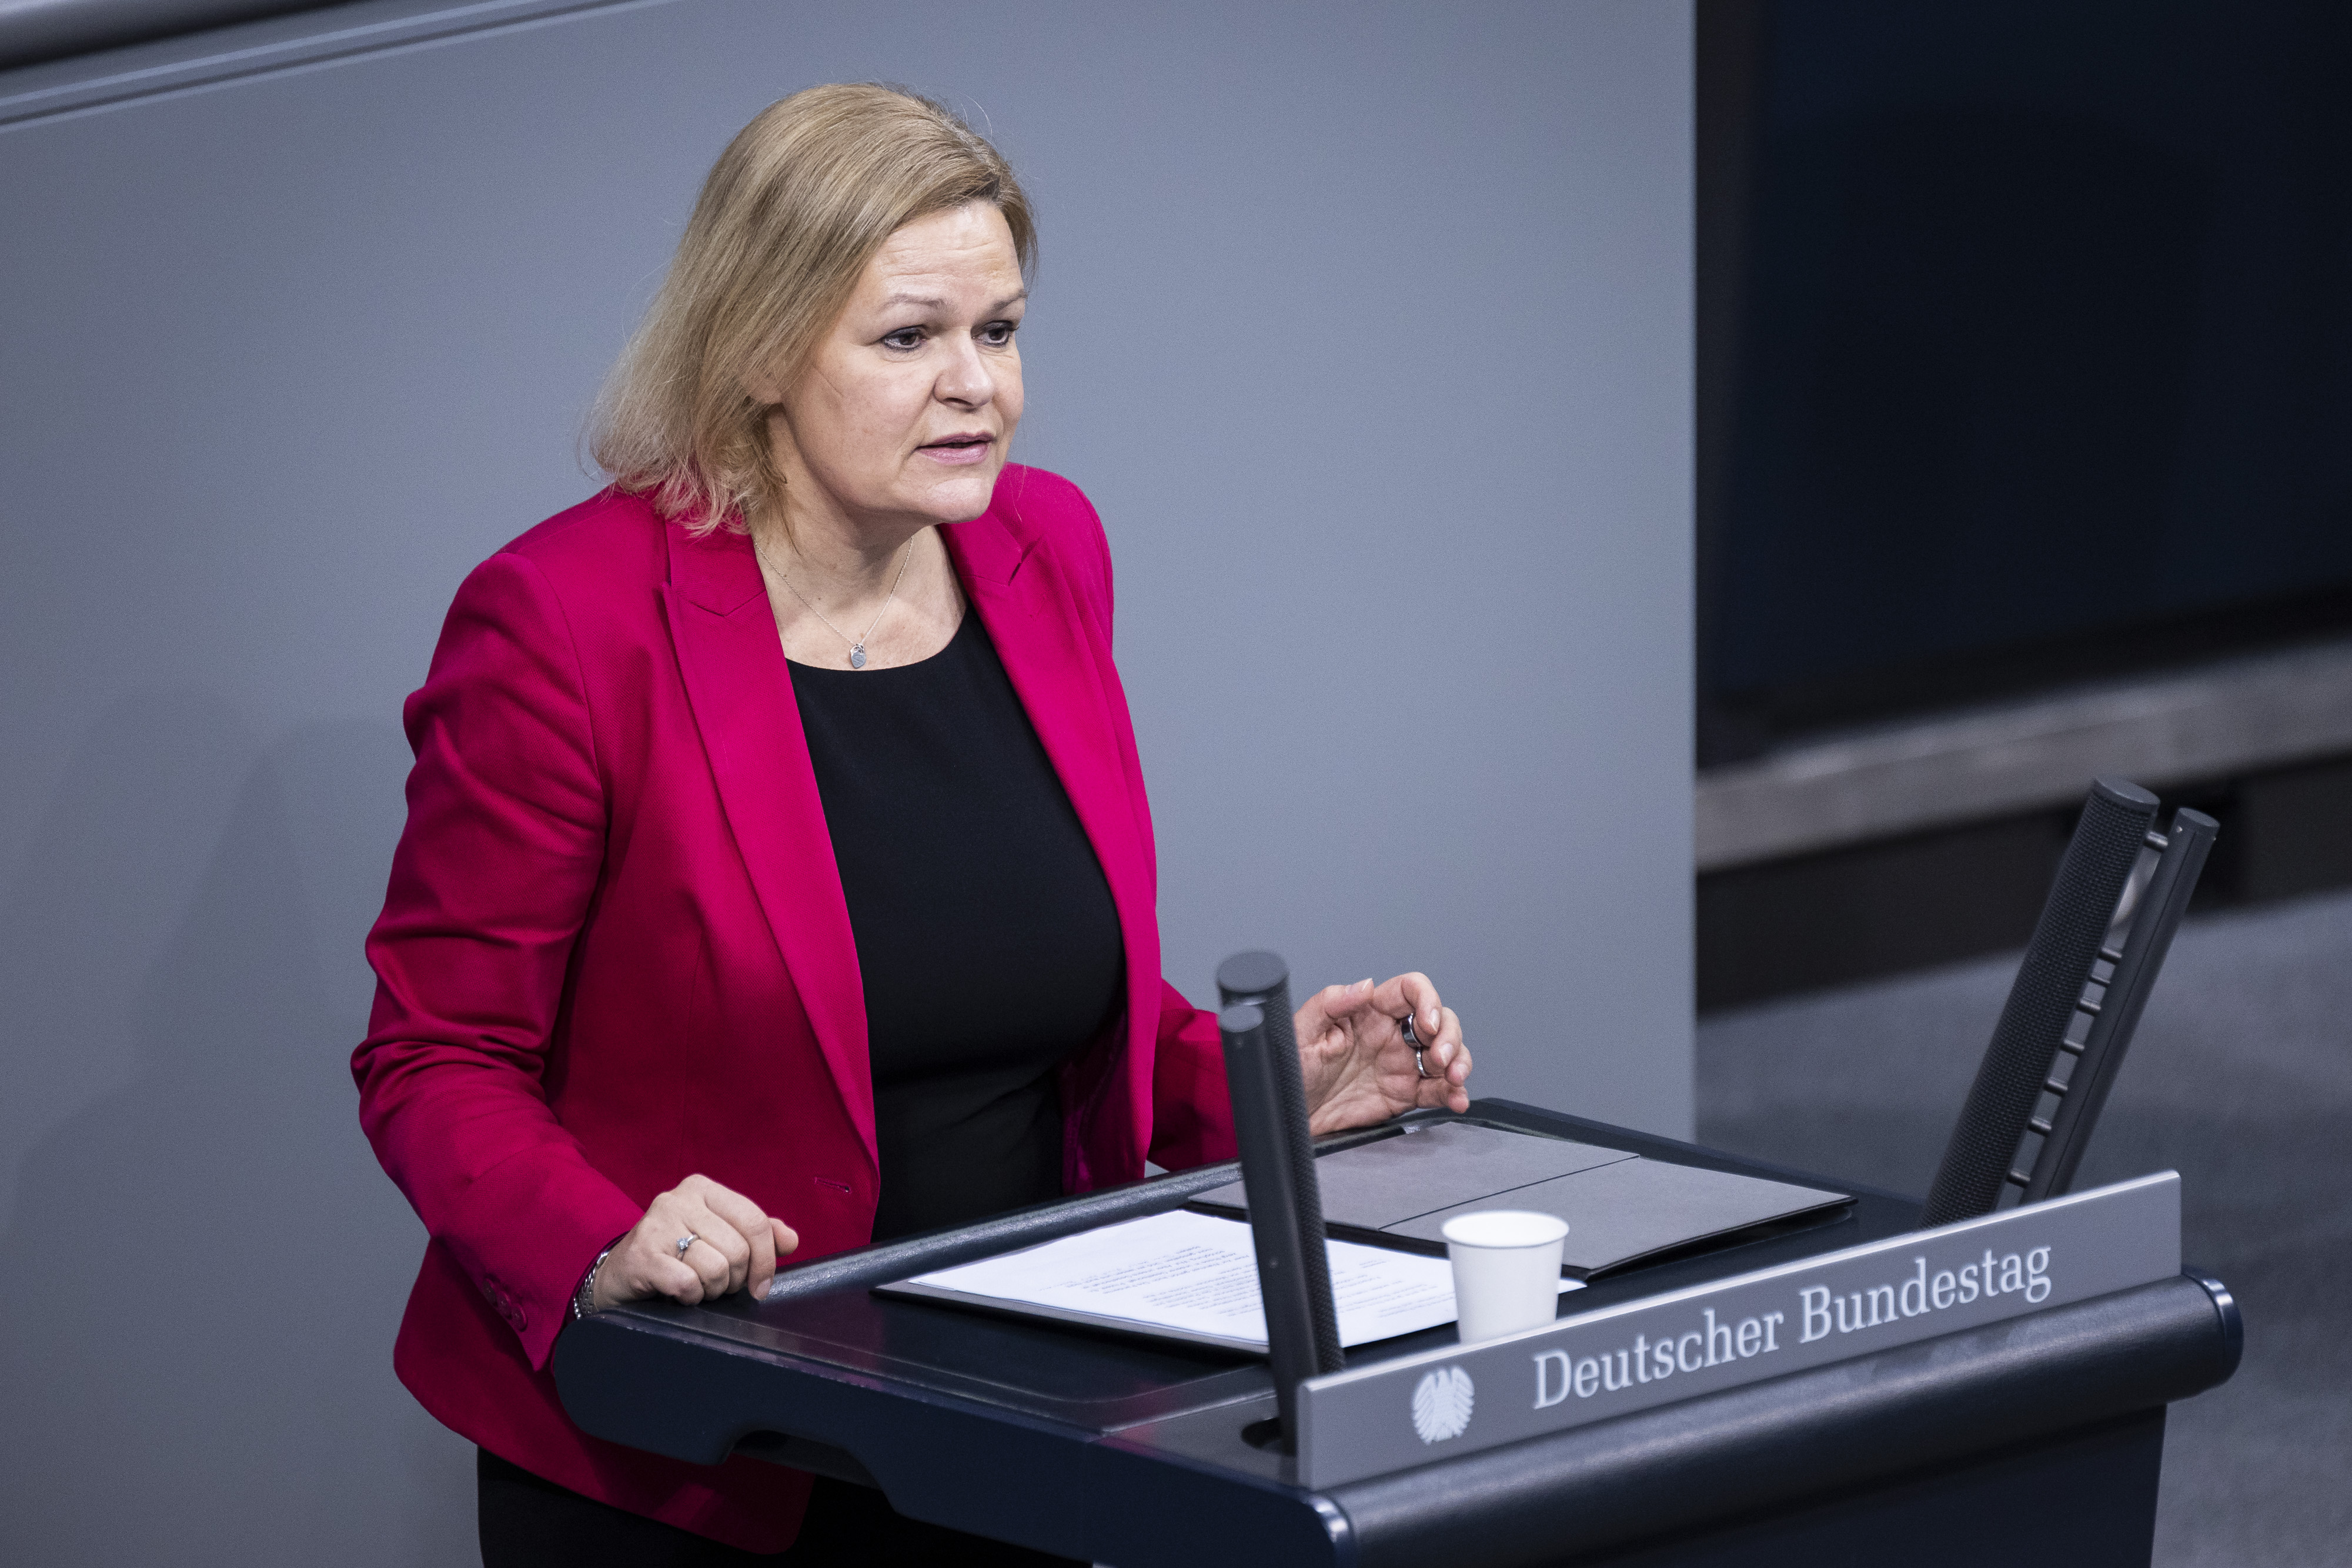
<point>904,338</point>
<point>996,334</point>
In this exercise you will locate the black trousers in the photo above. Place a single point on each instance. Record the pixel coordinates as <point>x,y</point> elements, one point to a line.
<point>528,1523</point>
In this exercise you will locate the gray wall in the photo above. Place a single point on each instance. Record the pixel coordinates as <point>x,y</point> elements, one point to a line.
<point>1368,329</point>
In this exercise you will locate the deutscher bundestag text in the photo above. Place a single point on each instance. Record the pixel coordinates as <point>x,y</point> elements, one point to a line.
<point>1818,1313</point>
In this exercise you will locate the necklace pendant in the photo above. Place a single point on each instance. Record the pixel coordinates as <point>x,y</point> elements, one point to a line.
<point>857,655</point>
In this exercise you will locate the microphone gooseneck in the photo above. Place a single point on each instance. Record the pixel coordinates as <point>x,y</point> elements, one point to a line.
<point>1286,1206</point>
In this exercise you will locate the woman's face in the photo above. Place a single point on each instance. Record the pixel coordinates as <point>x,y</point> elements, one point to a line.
<point>906,405</point>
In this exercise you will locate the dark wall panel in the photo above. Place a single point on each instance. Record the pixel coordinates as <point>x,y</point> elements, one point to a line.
<point>2044,353</point>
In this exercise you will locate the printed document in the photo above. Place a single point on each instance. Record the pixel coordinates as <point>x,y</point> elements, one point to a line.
<point>1191,1276</point>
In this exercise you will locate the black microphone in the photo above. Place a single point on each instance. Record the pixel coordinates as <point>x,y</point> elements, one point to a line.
<point>2067,941</point>
<point>1286,1212</point>
<point>1260,976</point>
<point>2131,972</point>
<point>1263,978</point>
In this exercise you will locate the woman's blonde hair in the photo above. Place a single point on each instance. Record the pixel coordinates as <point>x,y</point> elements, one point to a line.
<point>792,212</point>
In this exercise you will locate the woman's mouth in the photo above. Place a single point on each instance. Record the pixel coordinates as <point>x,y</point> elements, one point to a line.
<point>971,448</point>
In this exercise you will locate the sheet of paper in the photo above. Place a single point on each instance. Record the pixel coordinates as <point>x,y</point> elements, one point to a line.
<point>1193,1273</point>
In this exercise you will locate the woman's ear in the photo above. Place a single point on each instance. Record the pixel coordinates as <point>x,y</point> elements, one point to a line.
<point>761,387</point>
<point>762,380</point>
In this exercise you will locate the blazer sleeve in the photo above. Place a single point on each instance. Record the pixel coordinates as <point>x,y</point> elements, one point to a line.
<point>489,887</point>
<point>1191,1115</point>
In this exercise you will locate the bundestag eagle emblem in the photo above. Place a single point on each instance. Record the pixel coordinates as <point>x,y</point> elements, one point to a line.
<point>1441,1404</point>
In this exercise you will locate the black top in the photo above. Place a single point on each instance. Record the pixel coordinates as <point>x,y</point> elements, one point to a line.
<point>986,935</point>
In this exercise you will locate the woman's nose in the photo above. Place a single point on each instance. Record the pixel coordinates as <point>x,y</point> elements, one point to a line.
<point>965,378</point>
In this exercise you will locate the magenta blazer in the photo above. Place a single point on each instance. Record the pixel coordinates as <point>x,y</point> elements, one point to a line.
<point>614,951</point>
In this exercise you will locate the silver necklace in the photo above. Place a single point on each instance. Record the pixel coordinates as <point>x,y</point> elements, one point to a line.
<point>856,644</point>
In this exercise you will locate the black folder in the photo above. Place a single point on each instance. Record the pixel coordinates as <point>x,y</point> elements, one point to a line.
<point>1621,1207</point>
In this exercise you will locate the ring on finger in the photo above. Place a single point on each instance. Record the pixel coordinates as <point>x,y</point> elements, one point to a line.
<point>684,1241</point>
<point>1418,1064</point>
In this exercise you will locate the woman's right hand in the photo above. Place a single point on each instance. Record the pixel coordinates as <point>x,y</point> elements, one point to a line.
<point>734,1245</point>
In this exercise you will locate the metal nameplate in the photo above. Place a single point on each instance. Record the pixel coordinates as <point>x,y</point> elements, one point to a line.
<point>1612,1361</point>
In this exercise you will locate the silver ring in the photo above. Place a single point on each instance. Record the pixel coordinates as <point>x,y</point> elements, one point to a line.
<point>684,1241</point>
<point>1404,1024</point>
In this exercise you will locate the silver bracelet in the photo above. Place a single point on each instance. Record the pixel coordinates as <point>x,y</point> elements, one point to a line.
<point>583,1300</point>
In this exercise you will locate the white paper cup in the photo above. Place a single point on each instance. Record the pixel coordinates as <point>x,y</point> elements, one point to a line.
<point>1505,1271</point>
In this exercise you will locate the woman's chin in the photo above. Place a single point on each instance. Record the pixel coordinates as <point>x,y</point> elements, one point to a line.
<point>961,498</point>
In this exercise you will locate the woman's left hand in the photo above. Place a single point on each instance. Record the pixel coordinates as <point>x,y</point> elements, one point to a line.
<point>1359,1068</point>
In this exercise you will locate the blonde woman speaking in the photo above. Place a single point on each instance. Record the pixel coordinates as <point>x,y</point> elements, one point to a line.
<point>778,876</point>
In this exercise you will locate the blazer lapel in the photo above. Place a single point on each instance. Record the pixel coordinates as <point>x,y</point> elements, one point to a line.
<point>1053,672</point>
<point>741,693</point>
